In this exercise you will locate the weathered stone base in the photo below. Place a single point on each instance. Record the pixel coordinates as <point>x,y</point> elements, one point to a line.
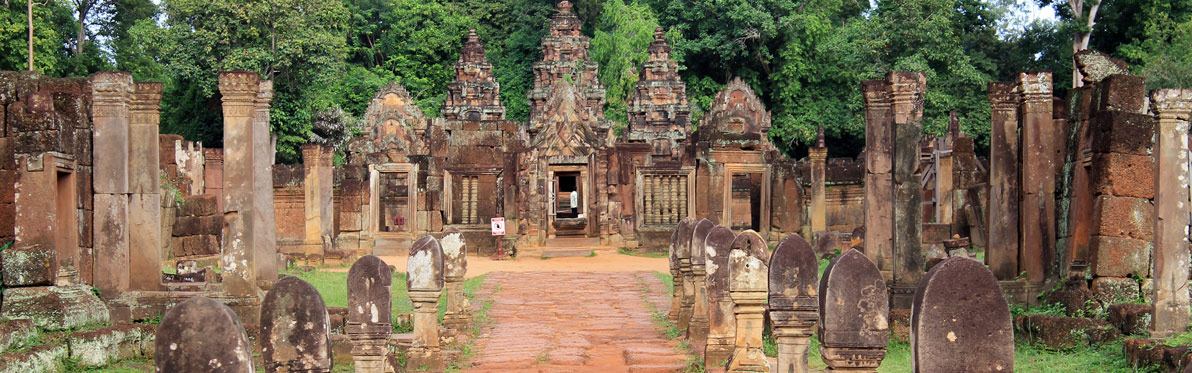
<point>46,358</point>
<point>55,307</point>
<point>1144,353</point>
<point>852,359</point>
<point>1064,332</point>
<point>146,305</point>
<point>97,348</point>
<point>13,332</point>
<point>424,359</point>
<point>717,352</point>
<point>748,360</point>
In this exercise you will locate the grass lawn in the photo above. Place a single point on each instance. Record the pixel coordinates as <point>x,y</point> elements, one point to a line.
<point>1027,357</point>
<point>334,288</point>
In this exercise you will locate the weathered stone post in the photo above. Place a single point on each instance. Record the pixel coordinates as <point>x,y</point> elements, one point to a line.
<point>697,333</point>
<point>144,200</point>
<point>853,311</point>
<point>295,328</point>
<point>1037,209</point>
<point>748,290</point>
<point>265,238</point>
<point>1171,258</point>
<point>316,161</point>
<point>943,180</point>
<point>686,229</point>
<point>369,307</point>
<point>794,300</point>
<point>906,92</point>
<point>879,150</point>
<point>961,321</point>
<point>201,335</point>
<point>424,278</point>
<point>676,278</point>
<point>1002,249</point>
<point>109,112</point>
<point>721,321</point>
<point>455,266</point>
<point>240,254</point>
<point>819,177</point>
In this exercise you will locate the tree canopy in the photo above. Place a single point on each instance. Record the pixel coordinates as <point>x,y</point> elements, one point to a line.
<point>804,58</point>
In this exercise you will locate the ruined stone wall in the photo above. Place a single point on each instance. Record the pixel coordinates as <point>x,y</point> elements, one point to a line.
<point>197,228</point>
<point>289,200</point>
<point>351,213</point>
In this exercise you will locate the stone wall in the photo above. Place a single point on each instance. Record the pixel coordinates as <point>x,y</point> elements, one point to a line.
<point>197,228</point>
<point>289,206</point>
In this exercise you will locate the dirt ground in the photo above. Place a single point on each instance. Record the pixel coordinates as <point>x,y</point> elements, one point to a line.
<point>479,265</point>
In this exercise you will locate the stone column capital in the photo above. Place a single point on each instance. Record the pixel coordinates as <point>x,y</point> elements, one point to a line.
<point>1002,95</point>
<point>111,84</point>
<point>875,92</point>
<point>819,154</point>
<point>146,96</point>
<point>239,86</point>
<point>264,92</point>
<point>1172,103</point>
<point>1035,86</point>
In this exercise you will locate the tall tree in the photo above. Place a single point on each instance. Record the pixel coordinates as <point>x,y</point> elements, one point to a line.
<point>623,32</point>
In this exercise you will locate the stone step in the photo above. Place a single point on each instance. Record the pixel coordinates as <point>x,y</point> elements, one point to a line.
<point>15,332</point>
<point>566,253</point>
<point>102,346</point>
<point>658,368</point>
<point>43,358</point>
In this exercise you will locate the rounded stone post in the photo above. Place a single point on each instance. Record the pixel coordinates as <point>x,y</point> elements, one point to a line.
<point>1171,258</point>
<point>424,278</point>
<point>854,327</point>
<point>676,278</point>
<point>455,266</point>
<point>747,269</point>
<point>369,308</point>
<point>794,300</point>
<point>697,333</point>
<point>686,228</point>
<point>721,321</point>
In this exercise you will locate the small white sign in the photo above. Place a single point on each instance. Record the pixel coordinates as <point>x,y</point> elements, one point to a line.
<point>498,226</point>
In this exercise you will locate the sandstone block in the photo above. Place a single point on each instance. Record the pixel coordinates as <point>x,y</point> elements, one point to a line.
<point>1064,333</point>
<point>1111,290</point>
<point>1122,132</point>
<point>1125,217</point>
<point>1120,257</point>
<point>54,307</point>
<point>1121,92</point>
<point>1123,175</point>
<point>200,205</point>
<point>29,265</point>
<point>1131,318</point>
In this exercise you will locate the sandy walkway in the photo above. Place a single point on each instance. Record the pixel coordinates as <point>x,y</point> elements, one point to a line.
<point>479,265</point>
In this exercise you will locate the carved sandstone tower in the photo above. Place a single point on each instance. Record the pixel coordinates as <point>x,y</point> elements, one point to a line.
<point>565,57</point>
<point>474,94</point>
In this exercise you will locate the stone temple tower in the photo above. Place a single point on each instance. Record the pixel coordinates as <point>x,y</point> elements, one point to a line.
<point>474,94</point>
<point>565,57</point>
<point>658,111</point>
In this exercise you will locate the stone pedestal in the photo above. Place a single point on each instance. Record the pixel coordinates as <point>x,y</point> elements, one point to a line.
<point>749,309</point>
<point>792,331</point>
<point>676,294</point>
<point>697,331</point>
<point>686,309</point>
<point>425,352</point>
<point>1171,258</point>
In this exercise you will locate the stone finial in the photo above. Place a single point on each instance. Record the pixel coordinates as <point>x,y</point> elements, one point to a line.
<point>819,137</point>
<point>793,300</point>
<point>747,282</point>
<point>201,335</point>
<point>1172,103</point>
<point>721,321</point>
<point>239,82</point>
<point>564,6</point>
<point>961,321</point>
<point>853,313</point>
<point>295,328</point>
<point>658,34</point>
<point>425,266</point>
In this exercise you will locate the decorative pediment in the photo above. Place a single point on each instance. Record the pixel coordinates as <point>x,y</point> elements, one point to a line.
<point>393,121</point>
<point>737,109</point>
<point>567,129</point>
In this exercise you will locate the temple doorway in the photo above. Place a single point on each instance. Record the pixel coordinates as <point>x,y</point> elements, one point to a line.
<point>567,201</point>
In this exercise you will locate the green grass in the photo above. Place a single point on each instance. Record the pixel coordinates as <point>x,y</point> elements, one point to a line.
<point>644,254</point>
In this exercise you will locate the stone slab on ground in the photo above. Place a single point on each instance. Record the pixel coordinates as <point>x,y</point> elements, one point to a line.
<point>566,321</point>
<point>55,307</point>
<point>566,253</point>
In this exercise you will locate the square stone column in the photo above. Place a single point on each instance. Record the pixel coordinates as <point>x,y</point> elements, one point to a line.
<point>1037,211</point>
<point>265,238</point>
<point>110,115</point>
<point>879,148</point>
<point>819,175</point>
<point>906,93</point>
<point>240,256</point>
<point>1172,203</point>
<point>316,160</point>
<point>1002,251</point>
<point>943,182</point>
<point>144,179</point>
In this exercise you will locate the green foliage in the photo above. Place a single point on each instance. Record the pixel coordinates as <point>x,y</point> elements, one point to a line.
<point>623,32</point>
<point>1164,53</point>
<point>51,25</point>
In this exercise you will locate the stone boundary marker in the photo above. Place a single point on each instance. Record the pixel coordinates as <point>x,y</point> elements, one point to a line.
<point>960,321</point>
<point>854,313</point>
<point>747,284</point>
<point>369,308</point>
<point>794,300</point>
<point>202,335</point>
<point>295,328</point>
<point>721,321</point>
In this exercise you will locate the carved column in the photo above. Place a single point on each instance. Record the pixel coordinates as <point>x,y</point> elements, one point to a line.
<point>317,163</point>
<point>239,262</point>
<point>1037,209</point>
<point>1002,251</point>
<point>943,183</point>
<point>819,174</point>
<point>879,147</point>
<point>906,92</point>
<point>144,179</point>
<point>265,238</point>
<point>110,114</point>
<point>425,351</point>
<point>1171,258</point>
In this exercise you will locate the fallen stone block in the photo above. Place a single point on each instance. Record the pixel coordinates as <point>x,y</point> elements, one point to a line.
<point>44,358</point>
<point>1062,333</point>
<point>1131,318</point>
<point>15,332</point>
<point>1144,352</point>
<point>54,307</point>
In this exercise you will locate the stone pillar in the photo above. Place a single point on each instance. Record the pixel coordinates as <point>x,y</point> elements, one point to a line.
<point>1171,257</point>
<point>265,238</point>
<point>819,175</point>
<point>686,227</point>
<point>213,174</point>
<point>721,321</point>
<point>144,179</point>
<point>676,277</point>
<point>1002,250</point>
<point>906,92</point>
<point>369,307</point>
<point>316,160</point>
<point>1037,210</point>
<point>854,317</point>
<point>109,112</point>
<point>455,266</point>
<point>697,333</point>
<point>425,281</point>
<point>794,305</point>
<point>240,255</point>
<point>748,288</point>
<point>943,182</point>
<point>879,147</point>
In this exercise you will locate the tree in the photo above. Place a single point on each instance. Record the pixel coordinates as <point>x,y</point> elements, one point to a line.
<point>623,33</point>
